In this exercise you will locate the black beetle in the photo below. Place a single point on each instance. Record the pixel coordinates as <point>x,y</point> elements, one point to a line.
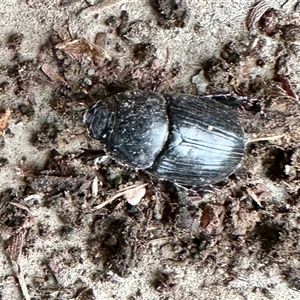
<point>190,140</point>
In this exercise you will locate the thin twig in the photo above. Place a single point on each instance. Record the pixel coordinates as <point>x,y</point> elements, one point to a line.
<point>95,9</point>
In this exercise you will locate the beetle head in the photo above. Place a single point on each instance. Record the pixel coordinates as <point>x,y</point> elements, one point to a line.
<point>99,120</point>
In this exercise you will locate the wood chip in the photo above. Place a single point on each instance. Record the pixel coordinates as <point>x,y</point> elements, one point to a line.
<point>95,187</point>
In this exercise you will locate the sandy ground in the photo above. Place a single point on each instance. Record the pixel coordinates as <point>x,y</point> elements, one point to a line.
<point>237,240</point>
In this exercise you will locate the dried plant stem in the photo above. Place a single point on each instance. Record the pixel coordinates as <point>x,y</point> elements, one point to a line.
<point>266,138</point>
<point>21,279</point>
<point>118,194</point>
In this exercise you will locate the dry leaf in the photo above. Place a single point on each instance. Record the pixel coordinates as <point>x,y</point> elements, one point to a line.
<point>4,116</point>
<point>101,39</point>
<point>134,196</point>
<point>95,186</point>
<point>212,219</point>
<point>54,266</point>
<point>81,48</point>
<point>244,221</point>
<point>49,71</point>
<point>257,192</point>
<point>287,87</point>
<point>16,241</point>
